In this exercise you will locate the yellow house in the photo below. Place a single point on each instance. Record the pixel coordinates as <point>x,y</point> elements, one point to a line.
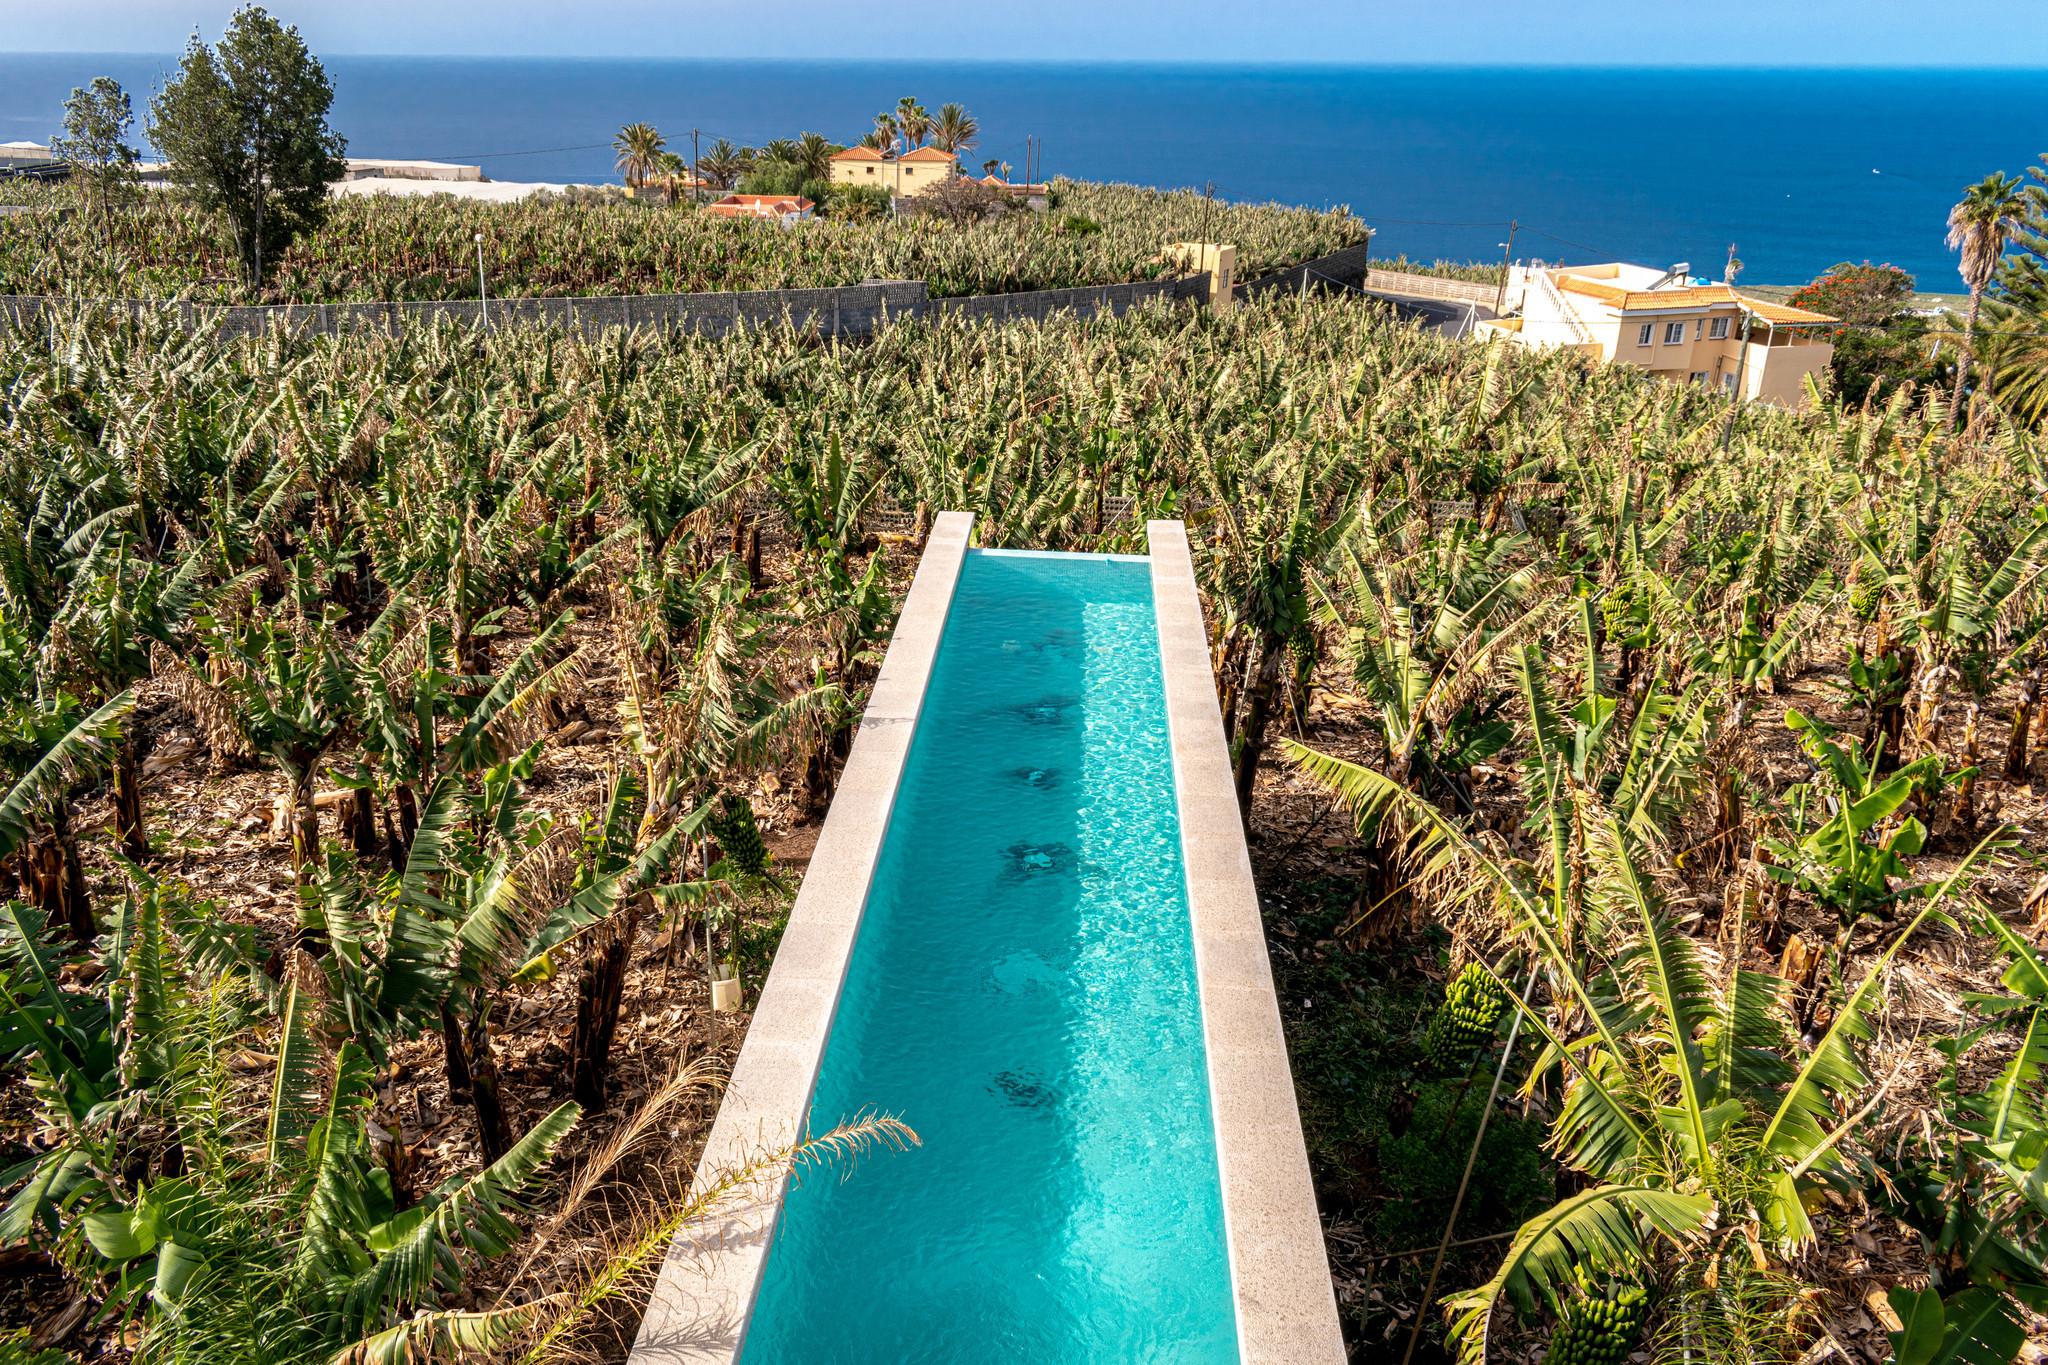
<point>903,176</point>
<point>1655,320</point>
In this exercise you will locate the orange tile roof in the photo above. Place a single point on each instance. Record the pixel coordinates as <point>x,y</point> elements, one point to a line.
<point>1778,312</point>
<point>859,154</point>
<point>758,205</point>
<point>928,154</point>
<point>998,182</point>
<point>1700,296</point>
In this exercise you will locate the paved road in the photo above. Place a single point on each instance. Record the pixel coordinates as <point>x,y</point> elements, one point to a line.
<point>1449,316</point>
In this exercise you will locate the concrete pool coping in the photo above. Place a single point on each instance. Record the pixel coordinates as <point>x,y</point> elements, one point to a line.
<point>705,1294</point>
<point>1279,1270</point>
<point>1285,1305</point>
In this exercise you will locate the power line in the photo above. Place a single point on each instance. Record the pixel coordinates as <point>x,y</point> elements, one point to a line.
<point>542,151</point>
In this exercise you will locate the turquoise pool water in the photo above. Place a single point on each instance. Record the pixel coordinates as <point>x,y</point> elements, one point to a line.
<point>1023,995</point>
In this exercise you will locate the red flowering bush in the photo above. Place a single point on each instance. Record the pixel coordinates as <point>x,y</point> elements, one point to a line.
<point>1863,294</point>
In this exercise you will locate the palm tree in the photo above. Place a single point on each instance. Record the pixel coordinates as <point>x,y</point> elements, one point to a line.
<point>887,130</point>
<point>673,179</point>
<point>916,124</point>
<point>1980,226</point>
<point>639,147</point>
<point>992,165</point>
<point>2022,359</point>
<point>956,130</point>
<point>722,164</point>
<point>814,152</point>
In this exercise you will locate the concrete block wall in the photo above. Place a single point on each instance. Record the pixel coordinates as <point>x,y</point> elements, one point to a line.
<point>850,310</point>
<point>1432,286</point>
<point>1349,266</point>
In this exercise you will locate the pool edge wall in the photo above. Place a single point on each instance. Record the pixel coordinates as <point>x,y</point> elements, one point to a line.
<point>1285,1305</point>
<point>1279,1270</point>
<point>705,1294</point>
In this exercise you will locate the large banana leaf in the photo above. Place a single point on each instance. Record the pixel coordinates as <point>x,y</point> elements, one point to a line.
<point>83,744</point>
<point>1805,1116</point>
<point>417,1245</point>
<point>1600,1228</point>
<point>296,1085</point>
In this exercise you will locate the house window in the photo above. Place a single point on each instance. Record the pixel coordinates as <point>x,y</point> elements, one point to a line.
<point>1699,377</point>
<point>1719,330</point>
<point>1643,337</point>
<point>1699,326</point>
<point>1728,381</point>
<point>1674,332</point>
<point>871,170</point>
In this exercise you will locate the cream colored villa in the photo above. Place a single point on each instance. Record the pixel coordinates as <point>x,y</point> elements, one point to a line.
<point>1656,321</point>
<point>903,176</point>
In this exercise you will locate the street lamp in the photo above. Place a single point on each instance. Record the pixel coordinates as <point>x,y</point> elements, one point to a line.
<point>483,296</point>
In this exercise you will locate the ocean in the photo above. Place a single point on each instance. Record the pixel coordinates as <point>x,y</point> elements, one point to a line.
<point>1798,169</point>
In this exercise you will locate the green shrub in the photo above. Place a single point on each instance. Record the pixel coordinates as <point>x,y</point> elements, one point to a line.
<point>1421,1167</point>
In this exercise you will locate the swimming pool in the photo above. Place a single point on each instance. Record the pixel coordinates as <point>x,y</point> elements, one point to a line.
<point>1058,974</point>
<point>1022,994</point>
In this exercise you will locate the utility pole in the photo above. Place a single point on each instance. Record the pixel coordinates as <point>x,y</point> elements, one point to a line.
<point>1741,359</point>
<point>482,294</point>
<point>696,175</point>
<point>1500,299</point>
<point>1208,202</point>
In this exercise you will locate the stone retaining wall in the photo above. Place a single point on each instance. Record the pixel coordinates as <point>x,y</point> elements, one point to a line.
<point>1432,286</point>
<point>849,310</point>
<point>1349,266</point>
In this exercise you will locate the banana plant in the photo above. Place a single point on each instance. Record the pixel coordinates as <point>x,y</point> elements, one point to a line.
<point>1976,1185</point>
<point>48,744</point>
<point>1672,1072</point>
<point>1839,863</point>
<point>1276,519</point>
<point>120,607</point>
<point>1422,640</point>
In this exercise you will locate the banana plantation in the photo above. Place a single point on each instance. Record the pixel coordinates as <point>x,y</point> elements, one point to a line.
<point>382,248</point>
<point>406,736</point>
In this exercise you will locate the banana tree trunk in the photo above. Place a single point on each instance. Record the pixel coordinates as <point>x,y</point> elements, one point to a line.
<point>305,827</point>
<point>452,1054</point>
<point>408,817</point>
<point>1966,791</point>
<point>53,879</point>
<point>493,1138</point>
<point>128,803</point>
<point>2022,724</point>
<point>1252,742</point>
<point>362,823</point>
<point>598,993</point>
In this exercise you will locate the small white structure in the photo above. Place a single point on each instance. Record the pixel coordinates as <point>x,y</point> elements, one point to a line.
<point>488,191</point>
<point>370,168</point>
<point>24,155</point>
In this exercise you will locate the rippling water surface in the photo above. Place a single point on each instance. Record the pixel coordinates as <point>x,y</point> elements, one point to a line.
<point>1022,995</point>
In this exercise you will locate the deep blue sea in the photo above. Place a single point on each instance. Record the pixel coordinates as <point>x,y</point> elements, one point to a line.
<point>1799,169</point>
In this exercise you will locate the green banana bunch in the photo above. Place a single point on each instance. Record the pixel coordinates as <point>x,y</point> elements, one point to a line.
<point>1471,1008</point>
<point>1600,1324</point>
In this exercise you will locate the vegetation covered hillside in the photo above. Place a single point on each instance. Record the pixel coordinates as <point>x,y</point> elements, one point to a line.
<point>398,731</point>
<point>384,248</point>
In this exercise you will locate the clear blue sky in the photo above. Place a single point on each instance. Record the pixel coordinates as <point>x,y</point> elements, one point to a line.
<point>1606,32</point>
